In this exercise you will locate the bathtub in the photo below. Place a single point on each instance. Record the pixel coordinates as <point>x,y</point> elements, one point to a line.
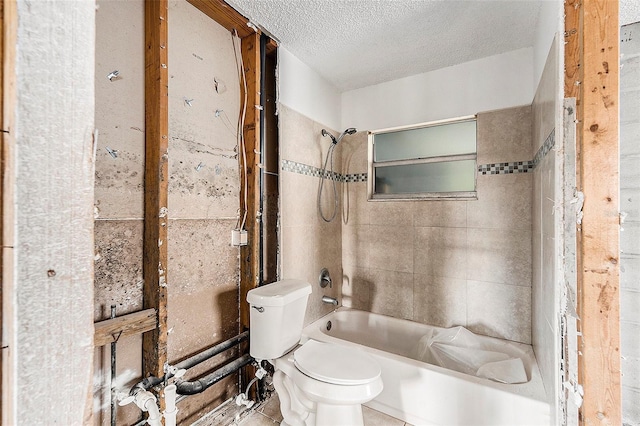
<point>426,394</point>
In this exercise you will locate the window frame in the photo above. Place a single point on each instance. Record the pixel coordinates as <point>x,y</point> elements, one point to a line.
<point>456,195</point>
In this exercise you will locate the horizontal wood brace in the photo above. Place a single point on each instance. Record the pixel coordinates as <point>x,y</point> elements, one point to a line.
<point>109,331</point>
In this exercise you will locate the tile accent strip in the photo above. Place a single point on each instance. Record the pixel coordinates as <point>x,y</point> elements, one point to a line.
<point>303,169</point>
<point>484,169</point>
<point>520,166</point>
<point>549,143</point>
<point>506,168</point>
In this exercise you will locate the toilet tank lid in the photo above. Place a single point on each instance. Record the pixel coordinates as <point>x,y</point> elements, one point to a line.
<point>278,293</point>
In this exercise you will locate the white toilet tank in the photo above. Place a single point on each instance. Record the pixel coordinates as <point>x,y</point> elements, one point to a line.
<point>277,317</point>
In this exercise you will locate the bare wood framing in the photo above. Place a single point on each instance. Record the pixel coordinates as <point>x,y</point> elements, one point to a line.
<point>224,15</point>
<point>154,344</point>
<point>592,76</point>
<point>249,255</point>
<point>8,33</point>
<point>109,331</point>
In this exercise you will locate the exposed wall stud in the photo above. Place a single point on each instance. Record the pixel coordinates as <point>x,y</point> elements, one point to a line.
<point>156,179</point>
<point>592,77</point>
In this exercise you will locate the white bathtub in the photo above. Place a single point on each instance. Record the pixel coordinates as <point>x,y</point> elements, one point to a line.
<point>425,394</point>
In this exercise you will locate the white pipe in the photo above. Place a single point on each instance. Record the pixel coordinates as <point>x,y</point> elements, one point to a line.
<point>170,412</point>
<point>146,401</point>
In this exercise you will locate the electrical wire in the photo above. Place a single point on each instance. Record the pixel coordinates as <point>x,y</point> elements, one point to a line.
<point>241,119</point>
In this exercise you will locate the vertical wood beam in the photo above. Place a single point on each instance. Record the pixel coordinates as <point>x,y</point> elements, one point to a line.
<point>8,98</point>
<point>249,254</point>
<point>156,177</point>
<point>592,76</point>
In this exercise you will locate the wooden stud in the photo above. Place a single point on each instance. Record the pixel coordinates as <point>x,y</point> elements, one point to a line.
<point>8,96</point>
<point>109,331</point>
<point>592,76</point>
<point>154,344</point>
<point>249,255</point>
<point>224,15</point>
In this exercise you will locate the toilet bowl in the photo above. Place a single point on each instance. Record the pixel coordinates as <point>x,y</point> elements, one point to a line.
<point>325,384</point>
<point>318,383</point>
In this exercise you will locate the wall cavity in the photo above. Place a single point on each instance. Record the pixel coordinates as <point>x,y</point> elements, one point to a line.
<point>202,269</point>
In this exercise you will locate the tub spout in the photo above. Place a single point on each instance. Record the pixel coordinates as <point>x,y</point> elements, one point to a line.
<point>330,300</point>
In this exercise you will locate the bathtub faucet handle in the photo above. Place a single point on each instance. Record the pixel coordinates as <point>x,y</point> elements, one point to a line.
<point>325,278</point>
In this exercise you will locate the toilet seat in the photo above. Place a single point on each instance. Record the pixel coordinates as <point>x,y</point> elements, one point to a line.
<point>335,364</point>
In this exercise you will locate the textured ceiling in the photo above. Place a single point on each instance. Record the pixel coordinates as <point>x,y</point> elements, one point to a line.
<point>356,43</point>
<point>629,11</point>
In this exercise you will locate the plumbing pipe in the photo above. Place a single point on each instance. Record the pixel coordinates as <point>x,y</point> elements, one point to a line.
<point>113,372</point>
<point>149,382</point>
<point>170,411</point>
<point>197,386</point>
<point>146,401</point>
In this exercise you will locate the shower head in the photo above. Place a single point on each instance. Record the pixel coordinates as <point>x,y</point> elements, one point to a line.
<point>335,141</point>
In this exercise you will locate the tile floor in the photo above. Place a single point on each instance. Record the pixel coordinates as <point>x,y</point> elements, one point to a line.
<point>269,415</point>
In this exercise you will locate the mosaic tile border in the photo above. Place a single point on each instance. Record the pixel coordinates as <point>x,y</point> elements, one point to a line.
<point>304,169</point>
<point>483,169</point>
<point>520,166</point>
<point>506,168</point>
<point>548,144</point>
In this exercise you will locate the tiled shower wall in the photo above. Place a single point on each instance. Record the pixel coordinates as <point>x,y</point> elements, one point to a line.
<point>630,234</point>
<point>447,263</point>
<point>308,244</point>
<point>545,305</point>
<point>203,194</point>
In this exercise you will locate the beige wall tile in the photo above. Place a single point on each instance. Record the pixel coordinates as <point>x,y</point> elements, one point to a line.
<point>440,252</point>
<point>499,256</point>
<point>391,213</point>
<point>499,310</point>
<point>355,245</point>
<point>439,301</point>
<point>543,106</point>
<point>355,154</point>
<point>391,293</point>
<point>504,202</point>
<point>504,135</point>
<point>391,248</point>
<point>300,140</point>
<point>450,214</point>
<point>298,199</point>
<point>356,288</point>
<point>356,210</point>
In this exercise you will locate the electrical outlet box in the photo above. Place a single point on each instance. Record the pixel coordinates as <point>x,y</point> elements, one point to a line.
<point>238,237</point>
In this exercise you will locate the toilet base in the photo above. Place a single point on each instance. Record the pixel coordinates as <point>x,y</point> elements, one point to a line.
<point>298,410</point>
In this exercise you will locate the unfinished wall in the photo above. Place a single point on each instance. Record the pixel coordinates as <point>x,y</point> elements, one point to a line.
<point>308,244</point>
<point>203,196</point>
<point>48,194</point>
<point>447,263</point>
<point>119,178</point>
<point>546,212</point>
<point>630,232</point>
<point>203,192</point>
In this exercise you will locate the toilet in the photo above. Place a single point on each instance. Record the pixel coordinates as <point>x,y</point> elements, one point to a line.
<point>318,383</point>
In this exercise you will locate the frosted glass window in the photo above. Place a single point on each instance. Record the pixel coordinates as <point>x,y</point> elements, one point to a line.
<point>434,141</point>
<point>431,161</point>
<point>448,176</point>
